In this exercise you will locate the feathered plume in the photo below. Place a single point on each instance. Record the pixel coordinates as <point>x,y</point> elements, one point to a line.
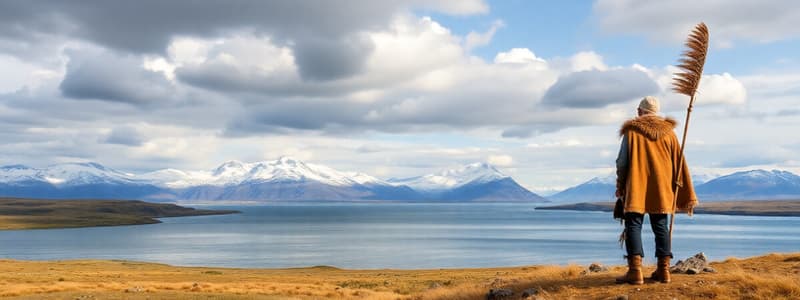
<point>691,64</point>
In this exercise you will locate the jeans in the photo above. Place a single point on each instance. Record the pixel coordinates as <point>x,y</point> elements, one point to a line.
<point>633,234</point>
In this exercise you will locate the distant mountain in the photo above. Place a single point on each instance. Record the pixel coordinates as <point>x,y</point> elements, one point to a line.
<point>595,190</point>
<point>473,182</point>
<point>706,186</point>
<point>752,185</point>
<point>75,180</point>
<point>283,179</point>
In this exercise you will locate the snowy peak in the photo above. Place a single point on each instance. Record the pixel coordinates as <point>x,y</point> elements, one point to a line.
<point>284,169</point>
<point>230,168</point>
<point>468,174</point>
<point>66,173</point>
<point>761,177</point>
<point>608,179</point>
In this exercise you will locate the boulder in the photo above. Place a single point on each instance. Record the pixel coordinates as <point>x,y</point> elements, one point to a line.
<point>692,265</point>
<point>498,294</point>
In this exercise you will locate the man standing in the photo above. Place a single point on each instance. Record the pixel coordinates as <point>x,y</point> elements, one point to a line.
<point>647,172</point>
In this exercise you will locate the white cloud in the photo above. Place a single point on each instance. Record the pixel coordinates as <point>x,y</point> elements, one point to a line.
<point>587,60</point>
<point>475,39</point>
<point>721,89</point>
<point>715,89</point>
<point>520,56</point>
<point>728,21</point>
<point>500,160</point>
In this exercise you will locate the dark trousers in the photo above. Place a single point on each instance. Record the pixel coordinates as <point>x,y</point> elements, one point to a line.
<point>633,234</point>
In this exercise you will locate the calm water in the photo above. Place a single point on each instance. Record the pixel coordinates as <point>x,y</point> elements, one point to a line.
<point>396,236</point>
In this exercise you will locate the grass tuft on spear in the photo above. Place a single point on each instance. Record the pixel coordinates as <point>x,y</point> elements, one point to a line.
<point>686,82</point>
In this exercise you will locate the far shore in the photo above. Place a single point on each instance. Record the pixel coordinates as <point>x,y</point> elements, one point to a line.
<point>770,208</point>
<point>20,213</point>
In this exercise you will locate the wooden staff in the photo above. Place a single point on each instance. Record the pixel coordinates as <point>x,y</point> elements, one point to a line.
<point>686,82</point>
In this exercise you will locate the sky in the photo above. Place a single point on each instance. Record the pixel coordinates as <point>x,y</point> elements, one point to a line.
<point>391,88</point>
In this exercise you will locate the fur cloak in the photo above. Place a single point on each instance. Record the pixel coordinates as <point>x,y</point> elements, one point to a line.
<point>653,156</point>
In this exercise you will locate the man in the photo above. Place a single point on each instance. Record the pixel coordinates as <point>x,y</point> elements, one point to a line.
<point>647,172</point>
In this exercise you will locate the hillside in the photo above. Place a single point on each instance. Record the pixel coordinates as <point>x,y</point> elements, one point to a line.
<point>775,276</point>
<point>16,213</point>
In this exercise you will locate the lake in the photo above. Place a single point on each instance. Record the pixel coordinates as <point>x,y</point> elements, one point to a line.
<point>388,235</point>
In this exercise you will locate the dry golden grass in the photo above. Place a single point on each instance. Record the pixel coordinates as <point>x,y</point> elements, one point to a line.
<point>775,276</point>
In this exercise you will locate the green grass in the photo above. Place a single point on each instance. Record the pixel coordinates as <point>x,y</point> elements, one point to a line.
<point>17,213</point>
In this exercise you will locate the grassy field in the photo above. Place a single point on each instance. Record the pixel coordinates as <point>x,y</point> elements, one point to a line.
<point>16,213</point>
<point>775,276</point>
<point>786,208</point>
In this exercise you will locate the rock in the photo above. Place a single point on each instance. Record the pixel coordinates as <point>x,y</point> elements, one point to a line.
<point>434,285</point>
<point>597,268</point>
<point>692,271</point>
<point>709,270</point>
<point>497,294</point>
<point>594,268</point>
<point>622,297</point>
<point>697,262</point>
<point>529,292</point>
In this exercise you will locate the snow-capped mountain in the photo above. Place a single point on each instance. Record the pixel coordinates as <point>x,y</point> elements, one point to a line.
<point>476,182</point>
<point>280,170</point>
<point>64,174</point>
<point>449,179</point>
<point>282,179</point>
<point>754,184</point>
<point>594,190</point>
<point>73,180</point>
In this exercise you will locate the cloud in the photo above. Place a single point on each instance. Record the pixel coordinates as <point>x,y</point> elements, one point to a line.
<point>715,90</point>
<point>124,135</point>
<point>324,59</point>
<point>500,160</point>
<point>520,56</point>
<point>728,21</point>
<point>102,75</point>
<point>721,89</point>
<point>595,88</point>
<point>475,39</point>
<point>318,32</point>
<point>586,61</point>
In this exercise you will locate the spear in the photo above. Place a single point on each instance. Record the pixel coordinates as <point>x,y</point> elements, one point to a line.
<point>686,83</point>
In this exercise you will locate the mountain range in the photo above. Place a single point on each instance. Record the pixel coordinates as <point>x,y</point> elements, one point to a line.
<point>744,185</point>
<point>284,179</point>
<point>289,179</point>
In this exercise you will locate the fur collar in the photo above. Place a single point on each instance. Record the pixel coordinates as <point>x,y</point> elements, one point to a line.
<point>651,126</point>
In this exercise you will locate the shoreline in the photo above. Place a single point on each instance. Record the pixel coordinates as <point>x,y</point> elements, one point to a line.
<point>755,208</point>
<point>770,276</point>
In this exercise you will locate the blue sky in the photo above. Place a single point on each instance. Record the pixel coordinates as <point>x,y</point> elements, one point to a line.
<point>391,88</point>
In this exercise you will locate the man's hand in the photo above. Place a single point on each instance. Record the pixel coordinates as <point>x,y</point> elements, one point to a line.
<point>690,208</point>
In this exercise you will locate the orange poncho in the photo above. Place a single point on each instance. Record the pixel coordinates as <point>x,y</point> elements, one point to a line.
<point>653,152</point>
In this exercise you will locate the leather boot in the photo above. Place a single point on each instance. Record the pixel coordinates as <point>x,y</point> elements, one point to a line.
<point>661,274</point>
<point>634,274</point>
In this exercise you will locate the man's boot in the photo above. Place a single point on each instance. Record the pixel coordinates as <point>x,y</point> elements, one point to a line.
<point>634,274</point>
<point>661,273</point>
